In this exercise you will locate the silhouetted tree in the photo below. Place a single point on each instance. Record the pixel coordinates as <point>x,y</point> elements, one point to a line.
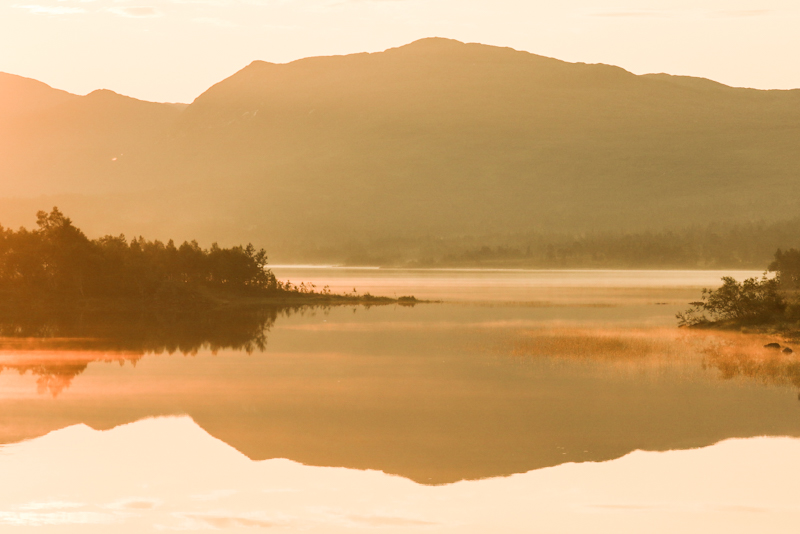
<point>786,265</point>
<point>752,301</point>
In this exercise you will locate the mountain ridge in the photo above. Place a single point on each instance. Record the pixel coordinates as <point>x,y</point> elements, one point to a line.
<point>417,43</point>
<point>20,95</point>
<point>435,138</point>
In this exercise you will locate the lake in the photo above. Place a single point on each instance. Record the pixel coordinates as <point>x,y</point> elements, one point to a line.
<point>518,401</point>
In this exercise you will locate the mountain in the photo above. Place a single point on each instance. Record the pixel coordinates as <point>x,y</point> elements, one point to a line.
<point>434,139</point>
<point>20,95</point>
<point>80,144</point>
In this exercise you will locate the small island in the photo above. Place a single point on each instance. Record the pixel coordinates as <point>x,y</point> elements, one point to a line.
<point>770,304</point>
<point>56,267</point>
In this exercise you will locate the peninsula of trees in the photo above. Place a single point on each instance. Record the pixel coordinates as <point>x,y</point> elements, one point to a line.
<point>57,265</point>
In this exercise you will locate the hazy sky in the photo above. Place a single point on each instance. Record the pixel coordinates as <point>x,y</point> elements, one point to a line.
<point>172,50</point>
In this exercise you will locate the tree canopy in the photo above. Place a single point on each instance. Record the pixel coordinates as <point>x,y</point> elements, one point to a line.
<point>754,301</point>
<point>58,261</point>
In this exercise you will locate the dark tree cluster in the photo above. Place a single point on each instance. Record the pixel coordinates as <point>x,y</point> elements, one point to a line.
<point>787,266</point>
<point>56,261</point>
<point>753,301</point>
<point>773,301</point>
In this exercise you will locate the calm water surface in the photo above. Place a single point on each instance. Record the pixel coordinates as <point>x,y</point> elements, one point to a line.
<point>525,401</point>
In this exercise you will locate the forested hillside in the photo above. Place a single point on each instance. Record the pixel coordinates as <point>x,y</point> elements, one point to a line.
<point>436,140</point>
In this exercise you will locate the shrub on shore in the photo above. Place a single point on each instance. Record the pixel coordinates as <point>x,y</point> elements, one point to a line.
<point>766,301</point>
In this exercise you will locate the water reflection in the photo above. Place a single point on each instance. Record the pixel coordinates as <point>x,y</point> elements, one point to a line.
<point>240,329</point>
<point>168,474</point>
<point>436,393</point>
<point>57,347</point>
<point>745,356</point>
<point>54,371</point>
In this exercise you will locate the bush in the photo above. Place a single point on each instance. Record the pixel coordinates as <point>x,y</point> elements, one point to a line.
<point>752,301</point>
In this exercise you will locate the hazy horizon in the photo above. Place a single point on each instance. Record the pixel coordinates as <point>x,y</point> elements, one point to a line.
<point>741,44</point>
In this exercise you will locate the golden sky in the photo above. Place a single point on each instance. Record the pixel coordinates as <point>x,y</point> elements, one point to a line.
<point>172,50</point>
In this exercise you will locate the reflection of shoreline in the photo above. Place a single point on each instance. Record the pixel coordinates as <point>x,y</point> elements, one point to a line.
<point>426,404</point>
<point>135,331</point>
<point>58,347</point>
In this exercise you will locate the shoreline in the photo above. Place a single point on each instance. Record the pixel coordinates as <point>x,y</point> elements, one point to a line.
<point>206,302</point>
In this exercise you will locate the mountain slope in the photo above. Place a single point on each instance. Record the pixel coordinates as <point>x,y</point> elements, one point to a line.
<point>20,95</point>
<point>82,144</point>
<point>442,138</point>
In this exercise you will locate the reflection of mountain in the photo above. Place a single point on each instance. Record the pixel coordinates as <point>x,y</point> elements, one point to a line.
<point>311,153</point>
<point>425,403</point>
<point>166,474</point>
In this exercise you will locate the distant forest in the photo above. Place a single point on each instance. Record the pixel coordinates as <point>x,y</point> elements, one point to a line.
<point>717,246</point>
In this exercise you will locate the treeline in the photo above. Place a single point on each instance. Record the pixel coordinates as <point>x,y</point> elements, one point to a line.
<point>57,262</point>
<point>745,246</point>
<point>716,246</point>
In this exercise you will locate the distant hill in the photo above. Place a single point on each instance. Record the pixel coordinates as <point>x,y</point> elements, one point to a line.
<point>94,144</point>
<point>435,139</point>
<point>20,95</point>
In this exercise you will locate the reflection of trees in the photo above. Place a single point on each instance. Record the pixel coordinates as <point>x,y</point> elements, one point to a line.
<point>56,378</point>
<point>53,376</point>
<point>57,347</point>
